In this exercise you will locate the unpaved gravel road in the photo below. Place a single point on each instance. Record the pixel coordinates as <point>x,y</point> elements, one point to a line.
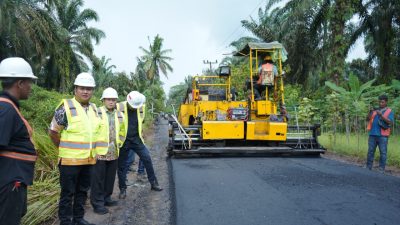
<point>143,206</point>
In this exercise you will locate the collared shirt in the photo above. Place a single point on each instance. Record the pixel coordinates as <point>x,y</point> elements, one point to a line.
<point>60,123</point>
<point>14,137</point>
<point>376,129</point>
<point>112,148</point>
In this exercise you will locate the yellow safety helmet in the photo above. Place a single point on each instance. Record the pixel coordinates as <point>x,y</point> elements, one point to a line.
<point>267,57</point>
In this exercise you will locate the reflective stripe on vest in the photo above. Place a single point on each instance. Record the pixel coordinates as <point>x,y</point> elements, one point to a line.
<point>19,156</point>
<point>74,145</point>
<point>267,73</point>
<point>16,155</point>
<point>386,115</point>
<point>72,108</point>
<point>100,144</point>
<point>118,121</point>
<point>78,141</point>
<point>120,117</point>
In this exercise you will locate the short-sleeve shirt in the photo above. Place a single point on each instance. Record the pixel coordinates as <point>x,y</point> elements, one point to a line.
<point>60,123</point>
<point>376,129</point>
<point>14,137</point>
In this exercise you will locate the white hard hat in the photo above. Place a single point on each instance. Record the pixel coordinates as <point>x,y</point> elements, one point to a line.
<point>109,93</point>
<point>85,80</point>
<point>16,67</point>
<point>135,99</point>
<point>144,98</point>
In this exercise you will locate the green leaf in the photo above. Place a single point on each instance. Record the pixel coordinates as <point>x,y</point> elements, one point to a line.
<point>335,87</point>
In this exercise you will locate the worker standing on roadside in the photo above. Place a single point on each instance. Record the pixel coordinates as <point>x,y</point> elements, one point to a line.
<point>106,167</point>
<point>17,151</point>
<point>134,111</point>
<point>76,130</point>
<point>379,122</point>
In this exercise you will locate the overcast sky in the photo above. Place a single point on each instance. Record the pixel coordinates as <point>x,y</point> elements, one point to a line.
<point>193,30</point>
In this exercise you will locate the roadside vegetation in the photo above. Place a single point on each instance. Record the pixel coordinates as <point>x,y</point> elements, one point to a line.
<point>321,85</point>
<point>54,36</point>
<point>358,151</point>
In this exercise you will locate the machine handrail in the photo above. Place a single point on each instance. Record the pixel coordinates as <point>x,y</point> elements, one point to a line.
<point>182,130</point>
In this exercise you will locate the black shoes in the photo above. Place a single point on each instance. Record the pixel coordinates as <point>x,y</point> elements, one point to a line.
<point>122,194</point>
<point>156,187</point>
<point>82,222</point>
<point>111,203</point>
<point>100,210</point>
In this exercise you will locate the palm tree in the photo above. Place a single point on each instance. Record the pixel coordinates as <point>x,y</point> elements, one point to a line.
<point>102,71</point>
<point>380,21</point>
<point>75,39</point>
<point>26,29</point>
<point>156,59</point>
<point>317,35</point>
<point>139,78</point>
<point>291,25</point>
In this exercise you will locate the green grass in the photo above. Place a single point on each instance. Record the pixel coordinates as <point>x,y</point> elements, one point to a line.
<point>359,148</point>
<point>43,195</point>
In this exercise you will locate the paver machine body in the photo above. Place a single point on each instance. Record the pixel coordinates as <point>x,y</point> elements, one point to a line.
<point>212,121</point>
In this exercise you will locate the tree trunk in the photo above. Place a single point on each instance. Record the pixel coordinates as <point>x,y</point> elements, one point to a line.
<point>384,39</point>
<point>341,12</point>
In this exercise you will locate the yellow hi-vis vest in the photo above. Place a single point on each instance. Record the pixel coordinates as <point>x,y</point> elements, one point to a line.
<point>119,126</point>
<point>123,107</point>
<point>83,137</point>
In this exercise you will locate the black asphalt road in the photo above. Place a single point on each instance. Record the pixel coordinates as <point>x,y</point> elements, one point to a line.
<point>282,191</point>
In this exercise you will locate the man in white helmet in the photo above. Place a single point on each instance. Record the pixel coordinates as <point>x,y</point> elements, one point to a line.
<point>134,111</point>
<point>76,130</point>
<point>17,151</point>
<point>106,167</point>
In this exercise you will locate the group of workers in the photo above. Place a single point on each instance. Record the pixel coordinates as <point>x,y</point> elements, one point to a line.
<point>94,145</point>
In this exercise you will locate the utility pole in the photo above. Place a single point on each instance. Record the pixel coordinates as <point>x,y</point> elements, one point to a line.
<point>208,62</point>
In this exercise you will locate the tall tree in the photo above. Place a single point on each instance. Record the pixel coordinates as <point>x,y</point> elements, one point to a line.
<point>75,39</point>
<point>156,59</point>
<point>380,22</point>
<point>102,71</point>
<point>26,29</point>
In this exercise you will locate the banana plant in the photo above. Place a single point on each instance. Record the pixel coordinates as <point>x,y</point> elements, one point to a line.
<point>356,98</point>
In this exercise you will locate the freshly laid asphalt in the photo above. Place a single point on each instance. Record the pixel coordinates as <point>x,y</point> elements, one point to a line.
<point>282,191</point>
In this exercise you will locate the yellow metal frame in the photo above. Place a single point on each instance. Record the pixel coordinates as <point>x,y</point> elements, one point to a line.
<point>212,114</point>
<point>280,77</point>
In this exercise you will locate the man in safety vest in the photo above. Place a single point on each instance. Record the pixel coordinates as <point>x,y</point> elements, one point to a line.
<point>77,131</point>
<point>267,74</point>
<point>134,111</point>
<point>17,151</point>
<point>106,167</point>
<point>379,122</point>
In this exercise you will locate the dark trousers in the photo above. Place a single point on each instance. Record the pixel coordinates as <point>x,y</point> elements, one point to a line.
<point>75,183</point>
<point>103,179</point>
<point>141,150</point>
<point>260,88</point>
<point>131,159</point>
<point>12,203</point>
